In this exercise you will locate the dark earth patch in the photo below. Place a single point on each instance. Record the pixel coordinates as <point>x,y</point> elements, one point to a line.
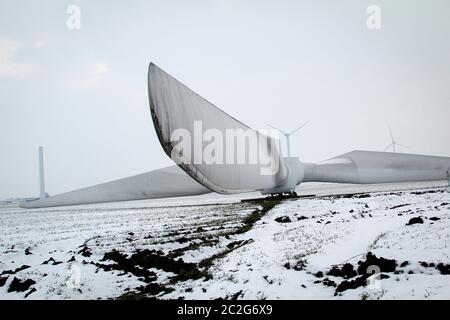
<point>346,271</point>
<point>20,285</point>
<point>319,274</point>
<point>326,282</point>
<point>15,271</point>
<point>235,244</point>
<point>443,268</point>
<point>300,265</point>
<point>425,192</point>
<point>361,281</point>
<point>354,195</point>
<point>414,220</point>
<point>3,281</point>
<point>126,265</point>
<point>399,206</point>
<point>385,265</point>
<point>85,251</point>
<point>154,289</point>
<point>283,219</point>
<point>52,261</point>
<point>193,246</point>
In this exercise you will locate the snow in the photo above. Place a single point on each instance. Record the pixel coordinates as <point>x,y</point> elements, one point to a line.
<point>333,230</point>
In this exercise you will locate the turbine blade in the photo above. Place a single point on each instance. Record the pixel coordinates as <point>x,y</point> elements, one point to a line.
<point>378,167</point>
<point>277,129</point>
<point>390,132</point>
<point>402,145</point>
<point>162,183</point>
<point>174,106</point>
<point>299,127</point>
<point>387,147</point>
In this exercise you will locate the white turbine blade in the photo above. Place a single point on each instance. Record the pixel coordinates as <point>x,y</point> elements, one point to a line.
<point>277,129</point>
<point>176,107</point>
<point>292,132</point>
<point>402,145</point>
<point>378,167</point>
<point>390,132</point>
<point>163,183</point>
<point>388,147</point>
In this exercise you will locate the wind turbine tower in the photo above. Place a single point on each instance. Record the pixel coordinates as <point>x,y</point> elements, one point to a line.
<point>288,134</point>
<point>42,194</point>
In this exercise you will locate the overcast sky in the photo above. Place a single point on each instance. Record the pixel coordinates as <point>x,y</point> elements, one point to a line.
<point>82,94</point>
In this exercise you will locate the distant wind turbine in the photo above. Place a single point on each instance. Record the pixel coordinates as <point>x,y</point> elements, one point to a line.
<point>287,135</point>
<point>393,143</point>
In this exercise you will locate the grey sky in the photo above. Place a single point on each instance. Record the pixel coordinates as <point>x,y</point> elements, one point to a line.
<point>82,94</point>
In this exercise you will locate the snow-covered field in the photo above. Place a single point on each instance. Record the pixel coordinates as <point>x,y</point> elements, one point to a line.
<point>216,246</point>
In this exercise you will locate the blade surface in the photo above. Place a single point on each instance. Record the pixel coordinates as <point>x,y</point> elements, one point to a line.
<point>378,167</point>
<point>174,106</point>
<point>278,129</point>
<point>163,183</point>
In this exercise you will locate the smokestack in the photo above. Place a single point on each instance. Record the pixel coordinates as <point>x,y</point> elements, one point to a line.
<point>41,174</point>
